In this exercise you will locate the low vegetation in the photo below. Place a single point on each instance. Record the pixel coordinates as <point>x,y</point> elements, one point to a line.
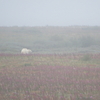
<point>49,77</point>
<point>50,39</point>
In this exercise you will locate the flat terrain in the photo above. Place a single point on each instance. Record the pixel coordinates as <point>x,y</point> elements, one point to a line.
<point>49,39</point>
<point>49,77</point>
<point>64,64</point>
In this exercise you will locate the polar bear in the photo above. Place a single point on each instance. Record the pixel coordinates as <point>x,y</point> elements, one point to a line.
<point>26,51</point>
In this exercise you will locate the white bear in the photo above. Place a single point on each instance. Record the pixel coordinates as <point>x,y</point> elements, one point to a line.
<point>26,51</point>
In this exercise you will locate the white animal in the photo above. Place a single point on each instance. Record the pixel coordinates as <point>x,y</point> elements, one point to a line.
<point>26,51</point>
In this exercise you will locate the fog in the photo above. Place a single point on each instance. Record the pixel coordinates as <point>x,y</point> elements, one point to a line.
<point>49,12</point>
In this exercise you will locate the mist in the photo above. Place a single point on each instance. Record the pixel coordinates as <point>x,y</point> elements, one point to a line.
<point>49,12</point>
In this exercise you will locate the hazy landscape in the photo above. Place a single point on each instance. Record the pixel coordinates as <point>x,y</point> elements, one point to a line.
<point>50,39</point>
<point>49,50</point>
<point>64,64</point>
<point>50,77</point>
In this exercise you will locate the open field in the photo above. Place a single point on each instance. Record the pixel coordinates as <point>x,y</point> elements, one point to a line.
<point>77,39</point>
<point>49,77</point>
<point>64,64</point>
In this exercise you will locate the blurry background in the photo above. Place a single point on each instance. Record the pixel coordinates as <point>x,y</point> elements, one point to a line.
<point>79,39</point>
<point>50,25</point>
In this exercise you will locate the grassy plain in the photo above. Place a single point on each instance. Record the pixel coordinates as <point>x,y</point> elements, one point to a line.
<point>64,65</point>
<point>50,77</point>
<point>50,39</point>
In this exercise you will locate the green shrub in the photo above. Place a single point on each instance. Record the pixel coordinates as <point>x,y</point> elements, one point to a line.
<point>27,64</point>
<point>86,58</point>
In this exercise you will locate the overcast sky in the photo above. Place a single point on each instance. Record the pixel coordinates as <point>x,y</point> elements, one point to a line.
<point>49,12</point>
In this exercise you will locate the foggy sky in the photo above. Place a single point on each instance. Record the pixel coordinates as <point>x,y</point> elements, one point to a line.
<point>49,12</point>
